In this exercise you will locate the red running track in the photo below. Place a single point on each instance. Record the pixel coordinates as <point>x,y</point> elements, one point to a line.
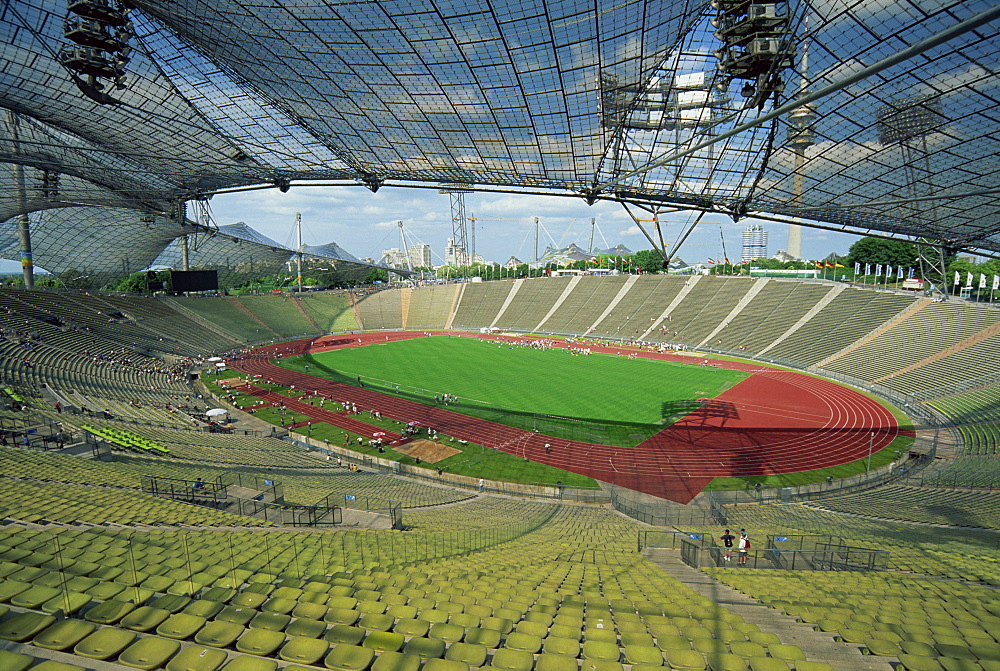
<point>773,422</point>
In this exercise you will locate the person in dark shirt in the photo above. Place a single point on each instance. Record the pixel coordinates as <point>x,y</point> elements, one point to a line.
<point>727,545</point>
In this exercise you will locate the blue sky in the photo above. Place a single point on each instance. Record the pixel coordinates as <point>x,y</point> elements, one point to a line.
<point>364,223</point>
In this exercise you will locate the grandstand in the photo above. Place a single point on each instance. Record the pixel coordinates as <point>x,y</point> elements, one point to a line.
<point>95,569</point>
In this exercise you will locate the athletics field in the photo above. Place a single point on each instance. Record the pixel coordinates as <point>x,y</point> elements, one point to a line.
<point>600,397</point>
<point>769,423</point>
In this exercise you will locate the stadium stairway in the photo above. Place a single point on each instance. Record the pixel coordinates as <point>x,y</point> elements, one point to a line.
<point>817,645</point>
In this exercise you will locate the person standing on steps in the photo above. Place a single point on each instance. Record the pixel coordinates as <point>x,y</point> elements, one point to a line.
<point>744,547</point>
<point>727,545</point>
<point>482,484</point>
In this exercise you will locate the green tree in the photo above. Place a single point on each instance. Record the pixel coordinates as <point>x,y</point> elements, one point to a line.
<point>133,284</point>
<point>649,260</point>
<point>896,253</point>
<point>376,275</point>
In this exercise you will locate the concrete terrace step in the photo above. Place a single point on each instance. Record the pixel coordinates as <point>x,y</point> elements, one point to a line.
<point>818,646</point>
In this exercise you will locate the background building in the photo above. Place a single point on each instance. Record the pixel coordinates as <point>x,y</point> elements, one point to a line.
<point>420,255</point>
<point>754,242</point>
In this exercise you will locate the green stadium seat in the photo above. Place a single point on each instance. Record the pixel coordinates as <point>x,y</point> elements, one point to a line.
<point>451,633</point>
<point>489,638</point>
<point>203,608</point>
<point>411,627</point>
<point>270,621</point>
<point>396,661</point>
<point>875,646</point>
<point>304,650</point>
<point>172,603</point>
<point>555,645</point>
<point>349,658</point>
<point>958,664</point>
<point>236,615</point>
<point>438,664</point>
<point>767,664</point>
<point>685,660</point>
<point>33,597</point>
<point>502,624</point>
<point>640,654</point>
<point>63,634</point>
<point>219,634</point>
<point>104,643</point>
<point>512,660</point>
<point>727,662</point>
<point>601,650</point>
<point>604,635</point>
<point>340,633</point>
<point>197,658</point>
<point>149,653</point>
<point>384,641</point>
<point>919,663</point>
<point>341,616</point>
<point>24,626</point>
<point>180,626</point>
<point>144,618</point>
<point>424,648</point>
<point>306,627</point>
<point>549,662</point>
<point>15,661</point>
<point>598,665</point>
<point>376,622</point>
<point>260,641</point>
<point>467,653</point>
<point>956,651</point>
<point>52,665</point>
<point>248,663</point>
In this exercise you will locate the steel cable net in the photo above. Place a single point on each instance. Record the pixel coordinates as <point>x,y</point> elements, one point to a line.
<point>89,247</point>
<point>575,97</point>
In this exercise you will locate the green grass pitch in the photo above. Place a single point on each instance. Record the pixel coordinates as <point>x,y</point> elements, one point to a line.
<point>600,398</point>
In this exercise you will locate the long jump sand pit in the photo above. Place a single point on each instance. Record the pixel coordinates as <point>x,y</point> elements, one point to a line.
<point>427,450</point>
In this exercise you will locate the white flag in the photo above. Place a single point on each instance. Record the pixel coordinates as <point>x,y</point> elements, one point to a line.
<point>899,273</point>
<point>878,270</point>
<point>958,278</point>
<point>982,281</point>
<point>968,278</point>
<point>868,269</point>
<point>996,282</point>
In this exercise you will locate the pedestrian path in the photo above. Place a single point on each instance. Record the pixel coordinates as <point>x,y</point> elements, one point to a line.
<point>818,646</point>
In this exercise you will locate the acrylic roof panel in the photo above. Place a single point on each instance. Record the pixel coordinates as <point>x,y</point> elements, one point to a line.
<point>515,94</point>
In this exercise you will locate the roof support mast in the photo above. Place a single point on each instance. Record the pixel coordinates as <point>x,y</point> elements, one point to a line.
<point>298,250</point>
<point>23,226</point>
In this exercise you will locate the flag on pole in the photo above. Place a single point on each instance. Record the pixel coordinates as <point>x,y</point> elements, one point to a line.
<point>982,281</point>
<point>996,282</point>
<point>958,278</point>
<point>868,269</point>
<point>899,272</point>
<point>878,270</point>
<point>968,279</point>
<point>911,274</point>
<point>857,268</point>
<point>888,271</point>
<point>819,264</point>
